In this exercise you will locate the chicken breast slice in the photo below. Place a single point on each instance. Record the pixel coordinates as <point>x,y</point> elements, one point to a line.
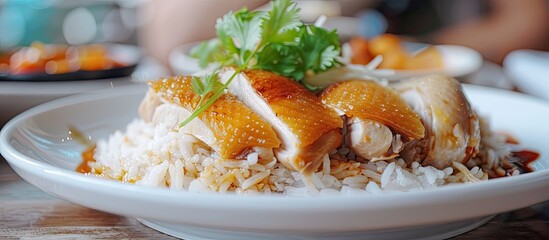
<point>452,127</point>
<point>148,105</point>
<point>377,117</point>
<point>228,126</point>
<point>307,128</point>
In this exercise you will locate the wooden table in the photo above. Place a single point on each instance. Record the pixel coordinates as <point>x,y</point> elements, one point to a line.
<point>27,212</point>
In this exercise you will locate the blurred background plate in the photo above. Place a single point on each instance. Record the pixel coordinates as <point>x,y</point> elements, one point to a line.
<point>458,61</point>
<point>529,71</point>
<point>180,61</point>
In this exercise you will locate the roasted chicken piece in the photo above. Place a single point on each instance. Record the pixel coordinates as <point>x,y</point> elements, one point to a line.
<point>452,131</point>
<point>228,126</point>
<point>379,122</point>
<point>307,128</point>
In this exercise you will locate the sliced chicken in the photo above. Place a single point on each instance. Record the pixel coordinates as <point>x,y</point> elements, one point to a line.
<point>228,126</point>
<point>369,139</point>
<point>307,128</point>
<point>377,118</point>
<point>148,105</point>
<point>451,126</point>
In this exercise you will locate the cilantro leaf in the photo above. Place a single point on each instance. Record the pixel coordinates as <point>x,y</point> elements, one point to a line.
<point>315,51</point>
<point>206,84</point>
<point>320,48</point>
<point>240,32</point>
<point>198,86</point>
<point>277,40</point>
<point>209,52</point>
<point>283,59</point>
<point>328,57</point>
<point>279,25</point>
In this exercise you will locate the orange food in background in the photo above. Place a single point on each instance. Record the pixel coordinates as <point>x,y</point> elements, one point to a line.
<point>385,43</point>
<point>59,66</point>
<point>360,47</point>
<point>394,60</point>
<point>430,57</point>
<point>57,59</point>
<point>394,54</point>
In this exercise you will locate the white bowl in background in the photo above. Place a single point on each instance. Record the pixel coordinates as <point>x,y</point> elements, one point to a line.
<point>183,64</point>
<point>458,61</point>
<point>529,71</point>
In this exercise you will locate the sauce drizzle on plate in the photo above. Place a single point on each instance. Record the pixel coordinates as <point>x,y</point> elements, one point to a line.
<point>524,159</point>
<point>87,157</point>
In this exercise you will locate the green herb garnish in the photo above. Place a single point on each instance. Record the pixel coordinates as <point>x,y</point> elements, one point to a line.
<point>206,84</point>
<point>202,86</point>
<point>276,41</point>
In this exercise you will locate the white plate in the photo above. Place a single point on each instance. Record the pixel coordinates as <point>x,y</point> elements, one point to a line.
<point>15,97</point>
<point>38,147</point>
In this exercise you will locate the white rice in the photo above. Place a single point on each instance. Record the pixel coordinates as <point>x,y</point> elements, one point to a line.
<point>157,156</point>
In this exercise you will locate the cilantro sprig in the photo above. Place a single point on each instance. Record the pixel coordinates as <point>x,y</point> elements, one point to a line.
<point>202,86</point>
<point>276,41</point>
<point>206,84</point>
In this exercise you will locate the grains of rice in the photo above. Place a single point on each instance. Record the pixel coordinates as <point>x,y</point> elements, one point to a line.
<point>373,188</point>
<point>255,179</point>
<point>317,181</point>
<point>515,172</point>
<point>326,165</point>
<point>257,167</point>
<point>372,175</point>
<point>467,174</point>
<point>156,175</point>
<point>253,158</point>
<point>355,180</point>
<point>270,163</point>
<point>157,156</point>
<point>500,171</point>
<point>176,172</point>
<point>387,174</point>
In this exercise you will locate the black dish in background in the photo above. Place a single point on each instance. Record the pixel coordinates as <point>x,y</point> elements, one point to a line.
<point>71,76</point>
<point>128,55</point>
